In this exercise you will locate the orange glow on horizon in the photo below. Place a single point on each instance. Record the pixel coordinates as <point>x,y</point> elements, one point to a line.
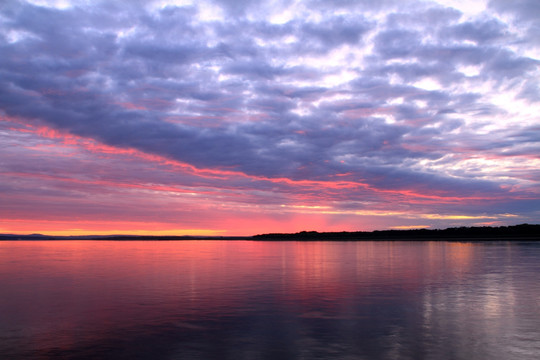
<point>85,231</point>
<point>237,224</point>
<point>83,228</point>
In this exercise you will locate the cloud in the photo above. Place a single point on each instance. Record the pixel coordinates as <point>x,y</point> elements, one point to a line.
<point>234,7</point>
<point>397,43</point>
<point>336,31</point>
<point>523,9</point>
<point>394,96</point>
<point>525,15</point>
<point>480,32</point>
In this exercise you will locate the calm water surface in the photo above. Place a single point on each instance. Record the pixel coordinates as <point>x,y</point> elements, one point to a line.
<point>269,300</point>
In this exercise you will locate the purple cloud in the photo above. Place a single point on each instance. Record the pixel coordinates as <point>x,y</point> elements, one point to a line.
<point>401,101</point>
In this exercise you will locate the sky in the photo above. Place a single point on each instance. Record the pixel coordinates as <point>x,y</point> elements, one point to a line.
<point>241,117</point>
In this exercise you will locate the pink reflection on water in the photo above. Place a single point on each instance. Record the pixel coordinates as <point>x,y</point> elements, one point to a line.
<point>62,293</point>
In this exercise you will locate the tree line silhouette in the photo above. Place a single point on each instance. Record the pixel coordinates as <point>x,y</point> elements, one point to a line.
<point>522,231</point>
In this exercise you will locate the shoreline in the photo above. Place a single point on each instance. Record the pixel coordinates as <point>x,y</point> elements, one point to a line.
<point>522,232</point>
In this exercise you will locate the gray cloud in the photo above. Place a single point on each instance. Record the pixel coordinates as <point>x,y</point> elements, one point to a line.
<point>245,97</point>
<point>478,31</point>
<point>337,31</point>
<point>523,9</point>
<point>397,43</point>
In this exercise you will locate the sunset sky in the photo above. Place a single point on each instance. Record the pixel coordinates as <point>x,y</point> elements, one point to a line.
<point>239,117</point>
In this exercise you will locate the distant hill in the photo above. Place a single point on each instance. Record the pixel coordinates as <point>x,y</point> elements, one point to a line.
<point>523,231</point>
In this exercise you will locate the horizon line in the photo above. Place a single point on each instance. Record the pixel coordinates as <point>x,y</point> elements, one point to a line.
<point>299,233</point>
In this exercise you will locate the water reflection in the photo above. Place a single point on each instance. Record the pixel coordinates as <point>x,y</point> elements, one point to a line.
<point>253,300</point>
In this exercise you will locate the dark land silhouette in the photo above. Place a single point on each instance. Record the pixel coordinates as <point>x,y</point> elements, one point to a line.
<point>522,231</point>
<point>507,233</point>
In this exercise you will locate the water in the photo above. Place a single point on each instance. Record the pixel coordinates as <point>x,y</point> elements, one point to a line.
<point>269,300</point>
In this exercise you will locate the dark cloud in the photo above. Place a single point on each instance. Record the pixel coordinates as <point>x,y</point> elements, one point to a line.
<point>256,69</point>
<point>176,54</point>
<point>431,18</point>
<point>523,9</point>
<point>339,30</point>
<point>397,43</point>
<point>360,4</point>
<point>507,65</point>
<point>526,14</point>
<point>478,31</point>
<point>530,91</point>
<point>236,7</point>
